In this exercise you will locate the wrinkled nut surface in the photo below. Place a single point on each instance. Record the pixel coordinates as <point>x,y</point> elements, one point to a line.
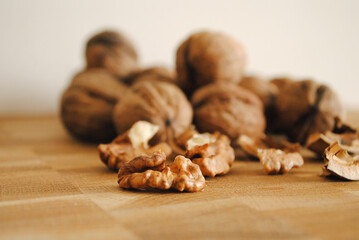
<point>150,172</point>
<point>131,144</point>
<point>276,161</point>
<point>303,108</point>
<point>211,152</point>
<point>160,103</point>
<point>340,164</point>
<point>252,145</point>
<point>150,74</point>
<point>229,109</point>
<point>206,57</point>
<point>87,105</point>
<point>112,51</point>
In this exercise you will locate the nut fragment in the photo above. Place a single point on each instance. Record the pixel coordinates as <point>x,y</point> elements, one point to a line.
<point>207,57</point>
<point>150,172</point>
<point>212,152</point>
<point>345,135</point>
<point>340,164</point>
<point>303,108</point>
<point>160,103</point>
<point>112,51</point>
<point>229,109</point>
<point>252,145</point>
<point>276,161</point>
<point>87,105</point>
<point>131,144</point>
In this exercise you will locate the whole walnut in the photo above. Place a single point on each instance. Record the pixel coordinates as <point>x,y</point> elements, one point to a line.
<point>304,107</point>
<point>229,109</point>
<point>157,102</point>
<point>87,105</point>
<point>112,51</point>
<point>206,57</point>
<point>150,74</point>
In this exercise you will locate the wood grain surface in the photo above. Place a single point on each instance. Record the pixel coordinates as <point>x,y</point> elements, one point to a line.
<point>53,187</point>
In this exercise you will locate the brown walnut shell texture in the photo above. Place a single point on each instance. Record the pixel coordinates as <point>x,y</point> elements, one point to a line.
<point>112,51</point>
<point>150,74</point>
<point>87,105</point>
<point>305,107</point>
<point>229,109</point>
<point>157,102</point>
<point>206,57</point>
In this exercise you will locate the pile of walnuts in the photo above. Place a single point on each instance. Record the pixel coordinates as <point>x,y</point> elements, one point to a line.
<point>209,90</point>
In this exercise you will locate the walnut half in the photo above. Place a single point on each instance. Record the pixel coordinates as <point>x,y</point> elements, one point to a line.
<point>150,172</point>
<point>212,152</point>
<point>131,144</point>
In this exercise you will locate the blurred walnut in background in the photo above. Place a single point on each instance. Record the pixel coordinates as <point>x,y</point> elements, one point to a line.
<point>87,105</point>
<point>150,74</point>
<point>229,109</point>
<point>112,51</point>
<point>206,57</point>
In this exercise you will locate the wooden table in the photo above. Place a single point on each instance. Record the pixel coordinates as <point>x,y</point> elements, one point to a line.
<point>52,186</point>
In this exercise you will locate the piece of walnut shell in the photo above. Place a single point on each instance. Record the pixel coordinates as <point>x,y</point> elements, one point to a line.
<point>87,105</point>
<point>131,144</point>
<point>211,152</point>
<point>229,109</point>
<point>206,57</point>
<point>149,172</point>
<point>303,108</point>
<point>345,135</point>
<point>112,51</point>
<point>160,103</point>
<point>252,145</point>
<point>340,164</point>
<point>150,74</point>
<point>276,161</point>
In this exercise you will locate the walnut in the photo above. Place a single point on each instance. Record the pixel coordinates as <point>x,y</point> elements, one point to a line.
<point>87,105</point>
<point>211,152</point>
<point>150,74</point>
<point>112,51</point>
<point>150,172</point>
<point>131,144</point>
<point>252,145</point>
<point>303,108</point>
<point>160,103</point>
<point>340,164</point>
<point>206,57</point>
<point>345,135</point>
<point>229,109</point>
<point>276,161</point>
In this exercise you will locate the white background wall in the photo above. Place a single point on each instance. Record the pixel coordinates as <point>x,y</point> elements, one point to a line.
<point>42,41</point>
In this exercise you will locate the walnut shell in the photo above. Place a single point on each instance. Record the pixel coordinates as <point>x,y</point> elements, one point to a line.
<point>87,105</point>
<point>157,102</point>
<point>112,51</point>
<point>229,109</point>
<point>150,74</point>
<point>305,107</point>
<point>206,57</point>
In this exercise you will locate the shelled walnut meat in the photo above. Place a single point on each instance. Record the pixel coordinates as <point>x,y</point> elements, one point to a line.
<point>150,172</point>
<point>229,109</point>
<point>277,161</point>
<point>160,103</point>
<point>211,152</point>
<point>112,51</point>
<point>303,108</point>
<point>131,144</point>
<point>206,57</point>
<point>340,164</point>
<point>87,105</point>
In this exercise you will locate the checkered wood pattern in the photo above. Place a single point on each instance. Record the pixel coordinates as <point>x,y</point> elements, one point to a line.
<point>52,186</point>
